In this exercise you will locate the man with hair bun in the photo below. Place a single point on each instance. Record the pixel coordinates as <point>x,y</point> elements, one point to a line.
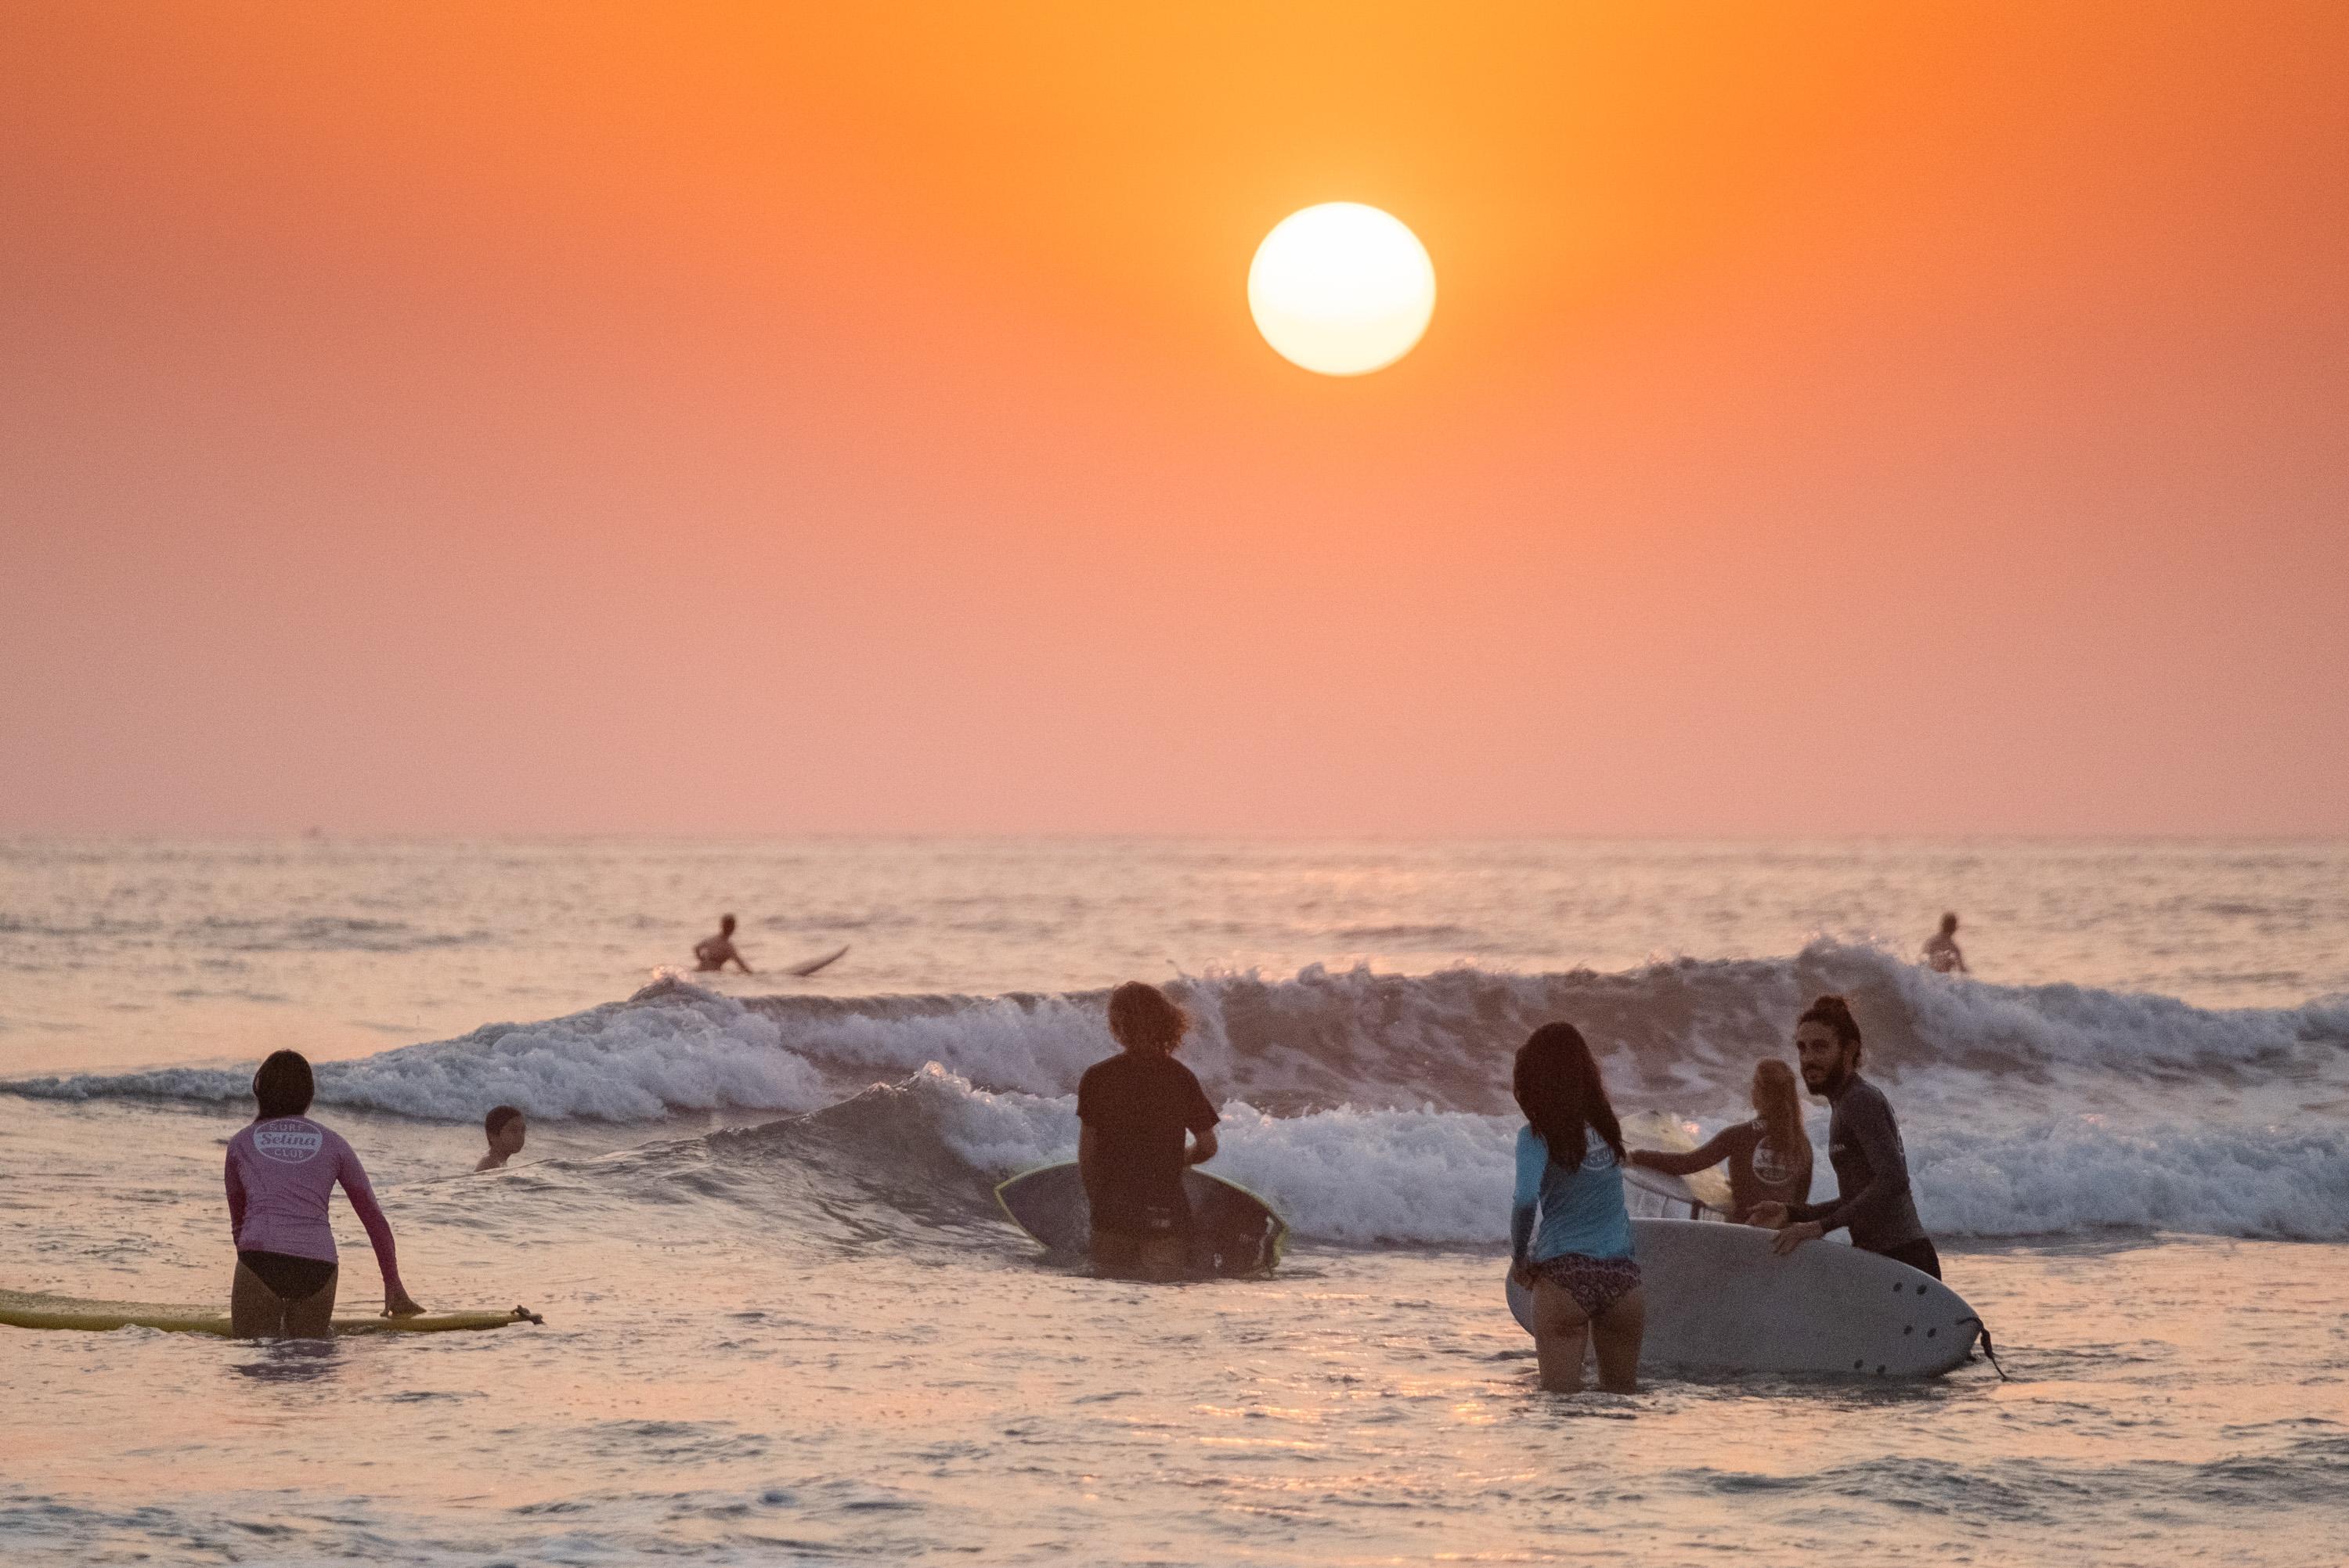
<point>1135,1110</point>
<point>1872,1195</point>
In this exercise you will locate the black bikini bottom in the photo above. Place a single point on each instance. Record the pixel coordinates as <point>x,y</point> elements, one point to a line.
<point>289,1278</point>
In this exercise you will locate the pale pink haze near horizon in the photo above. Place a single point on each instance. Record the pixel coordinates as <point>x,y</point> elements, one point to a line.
<point>747,421</point>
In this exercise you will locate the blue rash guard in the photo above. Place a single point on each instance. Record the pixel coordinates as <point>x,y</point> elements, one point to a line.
<point>1581,1210</point>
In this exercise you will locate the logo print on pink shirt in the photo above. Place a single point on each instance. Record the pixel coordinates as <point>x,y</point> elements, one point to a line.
<point>289,1143</point>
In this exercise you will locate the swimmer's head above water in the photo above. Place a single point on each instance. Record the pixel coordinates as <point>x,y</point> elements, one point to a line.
<point>506,1131</point>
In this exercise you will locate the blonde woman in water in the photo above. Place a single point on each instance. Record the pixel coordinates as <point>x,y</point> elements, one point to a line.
<point>1769,1156</point>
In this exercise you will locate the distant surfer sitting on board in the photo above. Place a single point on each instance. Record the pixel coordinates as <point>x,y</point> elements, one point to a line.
<point>1135,1108</point>
<point>1942,949</point>
<point>1871,1168</point>
<point>282,1168</point>
<point>1579,1264</point>
<point>1769,1156</point>
<point>506,1131</point>
<point>714,953</point>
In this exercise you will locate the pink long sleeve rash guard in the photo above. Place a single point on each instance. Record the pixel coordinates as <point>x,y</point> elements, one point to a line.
<point>280,1175</point>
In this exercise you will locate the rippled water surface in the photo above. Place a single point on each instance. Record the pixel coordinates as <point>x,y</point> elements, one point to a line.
<point>786,1324</point>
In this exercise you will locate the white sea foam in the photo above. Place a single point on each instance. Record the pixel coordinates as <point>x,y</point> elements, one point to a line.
<point>1683,1034</point>
<point>695,1051</point>
<point>1443,1178</point>
<point>1374,1107</point>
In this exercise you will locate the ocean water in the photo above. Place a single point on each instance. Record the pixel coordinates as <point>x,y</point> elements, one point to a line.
<point>786,1324</point>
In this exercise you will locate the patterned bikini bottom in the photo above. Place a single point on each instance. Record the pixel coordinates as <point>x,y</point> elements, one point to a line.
<point>1595,1284</point>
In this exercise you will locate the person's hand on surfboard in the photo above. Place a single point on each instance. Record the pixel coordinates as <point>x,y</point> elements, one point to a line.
<point>1771,1216</point>
<point>1792,1237</point>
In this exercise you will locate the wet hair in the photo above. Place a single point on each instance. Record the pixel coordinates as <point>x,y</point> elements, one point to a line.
<point>1559,1087</point>
<point>1836,1013</point>
<point>1143,1019</point>
<point>283,1086</point>
<point>1775,1097</point>
<point>726,923</point>
<point>1949,922</point>
<point>495,1122</point>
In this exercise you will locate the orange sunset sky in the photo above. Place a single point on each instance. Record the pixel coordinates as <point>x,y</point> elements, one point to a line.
<point>774,418</point>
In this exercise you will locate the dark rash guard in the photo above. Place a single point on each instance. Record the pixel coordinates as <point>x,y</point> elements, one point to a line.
<point>1871,1170</point>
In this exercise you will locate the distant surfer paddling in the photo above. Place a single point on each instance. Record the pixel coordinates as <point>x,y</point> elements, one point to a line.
<point>1872,1195</point>
<point>1144,1122</point>
<point>715,952</point>
<point>1942,953</point>
<point>1769,1157</point>
<point>1569,1234</point>
<point>281,1169</point>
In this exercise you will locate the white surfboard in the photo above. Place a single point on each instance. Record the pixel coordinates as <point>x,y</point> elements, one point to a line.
<point>1720,1299</point>
<point>1701,1196</point>
<point>802,971</point>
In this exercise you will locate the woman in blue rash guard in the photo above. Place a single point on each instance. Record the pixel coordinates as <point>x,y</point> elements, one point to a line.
<point>1579,1261</point>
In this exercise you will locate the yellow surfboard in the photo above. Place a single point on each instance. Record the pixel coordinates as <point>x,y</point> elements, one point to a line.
<point>34,1309</point>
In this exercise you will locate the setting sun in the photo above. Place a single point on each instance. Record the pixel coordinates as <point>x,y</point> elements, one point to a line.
<point>1341,289</point>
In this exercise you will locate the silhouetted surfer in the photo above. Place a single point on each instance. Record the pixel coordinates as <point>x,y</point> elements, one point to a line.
<point>714,953</point>
<point>1871,1169</point>
<point>1135,1108</point>
<point>1942,949</point>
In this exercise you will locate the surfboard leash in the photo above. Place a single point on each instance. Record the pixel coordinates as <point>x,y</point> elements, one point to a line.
<point>1990,1352</point>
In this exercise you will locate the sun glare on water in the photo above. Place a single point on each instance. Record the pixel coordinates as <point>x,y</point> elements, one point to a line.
<point>1341,289</point>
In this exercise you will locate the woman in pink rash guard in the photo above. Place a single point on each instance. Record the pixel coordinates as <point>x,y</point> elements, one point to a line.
<point>281,1171</point>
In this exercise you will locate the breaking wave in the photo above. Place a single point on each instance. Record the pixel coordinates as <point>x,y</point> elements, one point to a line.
<point>1373,1108</point>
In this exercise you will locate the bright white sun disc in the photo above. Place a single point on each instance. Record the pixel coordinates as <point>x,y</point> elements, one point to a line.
<point>1341,289</point>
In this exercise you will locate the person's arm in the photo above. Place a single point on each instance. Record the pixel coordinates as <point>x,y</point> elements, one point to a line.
<point>1531,1158</point>
<point>235,1181</point>
<point>1867,1123</point>
<point>1200,1118</point>
<point>1088,1151</point>
<point>739,965</point>
<point>1718,1147</point>
<point>353,1175</point>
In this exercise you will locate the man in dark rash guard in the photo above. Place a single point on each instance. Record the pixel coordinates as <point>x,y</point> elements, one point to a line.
<point>1871,1168</point>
